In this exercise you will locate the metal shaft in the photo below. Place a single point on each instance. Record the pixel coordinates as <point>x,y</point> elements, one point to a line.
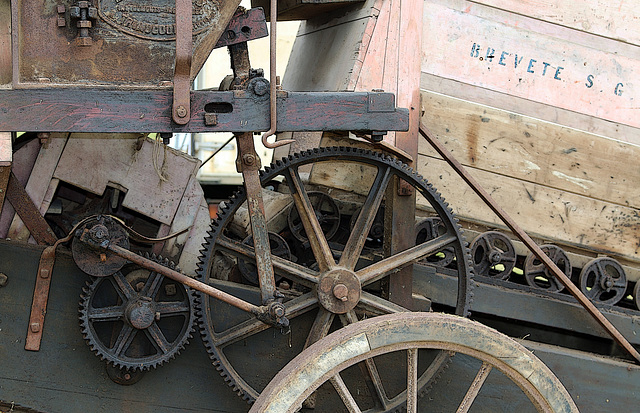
<point>183,279</point>
<point>526,239</point>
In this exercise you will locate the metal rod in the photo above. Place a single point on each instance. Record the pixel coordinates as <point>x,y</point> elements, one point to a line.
<point>216,151</point>
<point>184,279</point>
<point>526,239</point>
<point>273,16</point>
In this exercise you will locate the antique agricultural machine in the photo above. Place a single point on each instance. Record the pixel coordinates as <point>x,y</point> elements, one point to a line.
<point>319,286</point>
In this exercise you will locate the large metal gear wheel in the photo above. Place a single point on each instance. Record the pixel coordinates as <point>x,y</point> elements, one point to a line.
<point>344,283</point>
<point>484,350</point>
<point>137,319</point>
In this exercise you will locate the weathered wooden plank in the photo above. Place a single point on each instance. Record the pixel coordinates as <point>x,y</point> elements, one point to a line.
<point>596,383</point>
<point>155,175</point>
<point>535,151</point>
<point>40,180</point>
<point>530,108</point>
<point>5,43</point>
<point>543,212</point>
<point>531,65</point>
<point>6,149</point>
<point>616,20</point>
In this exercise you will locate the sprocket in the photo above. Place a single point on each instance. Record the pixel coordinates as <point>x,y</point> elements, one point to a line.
<point>344,284</point>
<point>137,319</point>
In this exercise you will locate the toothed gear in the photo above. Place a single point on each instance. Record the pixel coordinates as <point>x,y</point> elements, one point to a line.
<point>248,353</point>
<point>137,319</point>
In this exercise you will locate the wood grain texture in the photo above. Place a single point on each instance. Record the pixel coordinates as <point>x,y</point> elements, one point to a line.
<point>543,212</point>
<point>534,65</point>
<point>535,151</point>
<point>617,20</point>
<point>529,108</point>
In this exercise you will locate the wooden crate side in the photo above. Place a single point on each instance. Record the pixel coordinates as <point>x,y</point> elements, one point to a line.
<point>547,213</point>
<point>532,150</point>
<point>533,65</point>
<point>530,108</point>
<point>617,20</point>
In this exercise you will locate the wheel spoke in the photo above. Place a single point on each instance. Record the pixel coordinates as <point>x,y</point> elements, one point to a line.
<point>152,285</point>
<point>475,387</point>
<point>111,313</point>
<point>317,240</point>
<point>373,378</point>
<point>158,339</point>
<point>320,326</point>
<point>393,264</point>
<point>412,380</point>
<point>358,237</point>
<point>294,308</point>
<point>374,303</point>
<point>172,307</point>
<point>345,394</point>
<point>122,286</point>
<point>281,266</point>
<point>124,339</point>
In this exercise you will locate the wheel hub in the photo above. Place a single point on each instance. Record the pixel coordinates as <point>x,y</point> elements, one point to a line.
<point>141,312</point>
<point>339,290</point>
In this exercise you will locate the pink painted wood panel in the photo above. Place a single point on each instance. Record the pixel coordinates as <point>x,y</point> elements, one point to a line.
<point>614,19</point>
<point>528,64</point>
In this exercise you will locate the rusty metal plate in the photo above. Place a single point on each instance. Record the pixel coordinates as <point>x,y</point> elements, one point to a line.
<point>111,42</point>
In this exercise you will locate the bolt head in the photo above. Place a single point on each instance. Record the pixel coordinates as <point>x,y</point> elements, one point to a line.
<point>181,111</point>
<point>249,159</point>
<point>35,327</point>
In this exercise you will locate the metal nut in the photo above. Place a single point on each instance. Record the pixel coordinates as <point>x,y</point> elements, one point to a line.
<point>248,159</point>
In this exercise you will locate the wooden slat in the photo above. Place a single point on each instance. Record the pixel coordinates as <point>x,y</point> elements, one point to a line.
<point>39,180</point>
<point>617,20</point>
<point>5,42</point>
<point>534,151</point>
<point>525,63</point>
<point>530,108</point>
<point>543,212</point>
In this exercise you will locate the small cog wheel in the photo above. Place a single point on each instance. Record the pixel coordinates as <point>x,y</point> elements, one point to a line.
<point>136,318</point>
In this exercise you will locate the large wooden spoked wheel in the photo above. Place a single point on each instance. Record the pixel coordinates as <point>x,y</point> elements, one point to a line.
<point>326,360</point>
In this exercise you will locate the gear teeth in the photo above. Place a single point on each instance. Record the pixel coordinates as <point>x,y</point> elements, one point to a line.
<point>133,364</point>
<point>227,209</point>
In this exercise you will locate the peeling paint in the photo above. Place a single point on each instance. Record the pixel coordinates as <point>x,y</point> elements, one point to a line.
<point>582,183</point>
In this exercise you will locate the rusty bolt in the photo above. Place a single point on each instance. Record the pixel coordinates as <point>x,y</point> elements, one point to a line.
<point>210,119</point>
<point>248,159</point>
<point>260,86</point>
<point>341,292</point>
<point>44,273</point>
<point>181,111</point>
<point>127,376</point>
<point>170,290</point>
<point>3,279</point>
<point>277,310</point>
<point>35,327</point>
<point>103,257</point>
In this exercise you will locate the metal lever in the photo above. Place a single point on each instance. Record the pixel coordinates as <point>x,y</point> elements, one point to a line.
<point>181,109</point>
<point>273,80</point>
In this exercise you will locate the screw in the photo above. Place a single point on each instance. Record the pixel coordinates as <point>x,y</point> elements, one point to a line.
<point>341,292</point>
<point>3,279</point>
<point>35,327</point>
<point>181,111</point>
